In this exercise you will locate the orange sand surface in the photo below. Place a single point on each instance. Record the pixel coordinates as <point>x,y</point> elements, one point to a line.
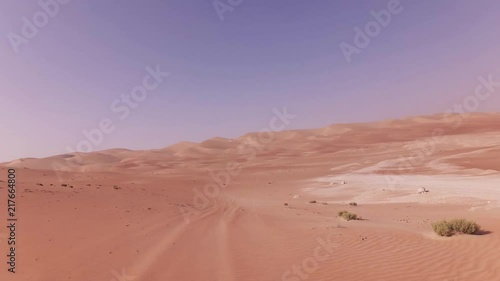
<point>215,211</point>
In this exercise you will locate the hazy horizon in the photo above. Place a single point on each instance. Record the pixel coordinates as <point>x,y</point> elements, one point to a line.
<point>233,137</point>
<point>227,74</point>
<point>250,140</point>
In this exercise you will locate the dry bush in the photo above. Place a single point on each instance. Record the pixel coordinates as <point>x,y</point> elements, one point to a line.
<point>456,226</point>
<point>347,215</point>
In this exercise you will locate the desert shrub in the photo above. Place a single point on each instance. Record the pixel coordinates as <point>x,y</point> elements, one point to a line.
<point>353,204</point>
<point>347,215</point>
<point>465,226</point>
<point>456,226</point>
<point>312,202</point>
<point>442,228</point>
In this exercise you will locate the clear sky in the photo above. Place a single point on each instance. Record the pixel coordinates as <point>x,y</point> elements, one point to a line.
<point>226,76</point>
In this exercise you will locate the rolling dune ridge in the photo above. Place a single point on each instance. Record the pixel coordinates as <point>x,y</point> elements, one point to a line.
<point>122,214</point>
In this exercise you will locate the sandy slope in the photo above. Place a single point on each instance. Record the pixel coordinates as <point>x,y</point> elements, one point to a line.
<point>123,214</point>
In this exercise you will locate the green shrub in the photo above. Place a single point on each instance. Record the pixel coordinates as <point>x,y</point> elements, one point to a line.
<point>347,215</point>
<point>456,226</point>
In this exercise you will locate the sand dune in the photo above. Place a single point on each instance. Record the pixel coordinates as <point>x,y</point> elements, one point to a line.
<point>179,213</point>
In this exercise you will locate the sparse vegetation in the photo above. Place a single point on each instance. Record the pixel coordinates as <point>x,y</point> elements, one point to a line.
<point>442,228</point>
<point>64,185</point>
<point>353,204</point>
<point>312,202</point>
<point>116,187</point>
<point>456,226</point>
<point>347,215</point>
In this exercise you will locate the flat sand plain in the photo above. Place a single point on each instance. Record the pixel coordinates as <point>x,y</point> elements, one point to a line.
<point>215,211</point>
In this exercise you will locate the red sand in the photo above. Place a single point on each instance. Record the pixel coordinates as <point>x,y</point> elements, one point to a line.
<point>138,229</point>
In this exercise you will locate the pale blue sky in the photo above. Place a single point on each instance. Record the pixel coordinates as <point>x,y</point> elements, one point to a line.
<point>227,76</point>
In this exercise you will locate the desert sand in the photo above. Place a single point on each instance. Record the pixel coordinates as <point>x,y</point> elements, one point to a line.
<point>215,210</point>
